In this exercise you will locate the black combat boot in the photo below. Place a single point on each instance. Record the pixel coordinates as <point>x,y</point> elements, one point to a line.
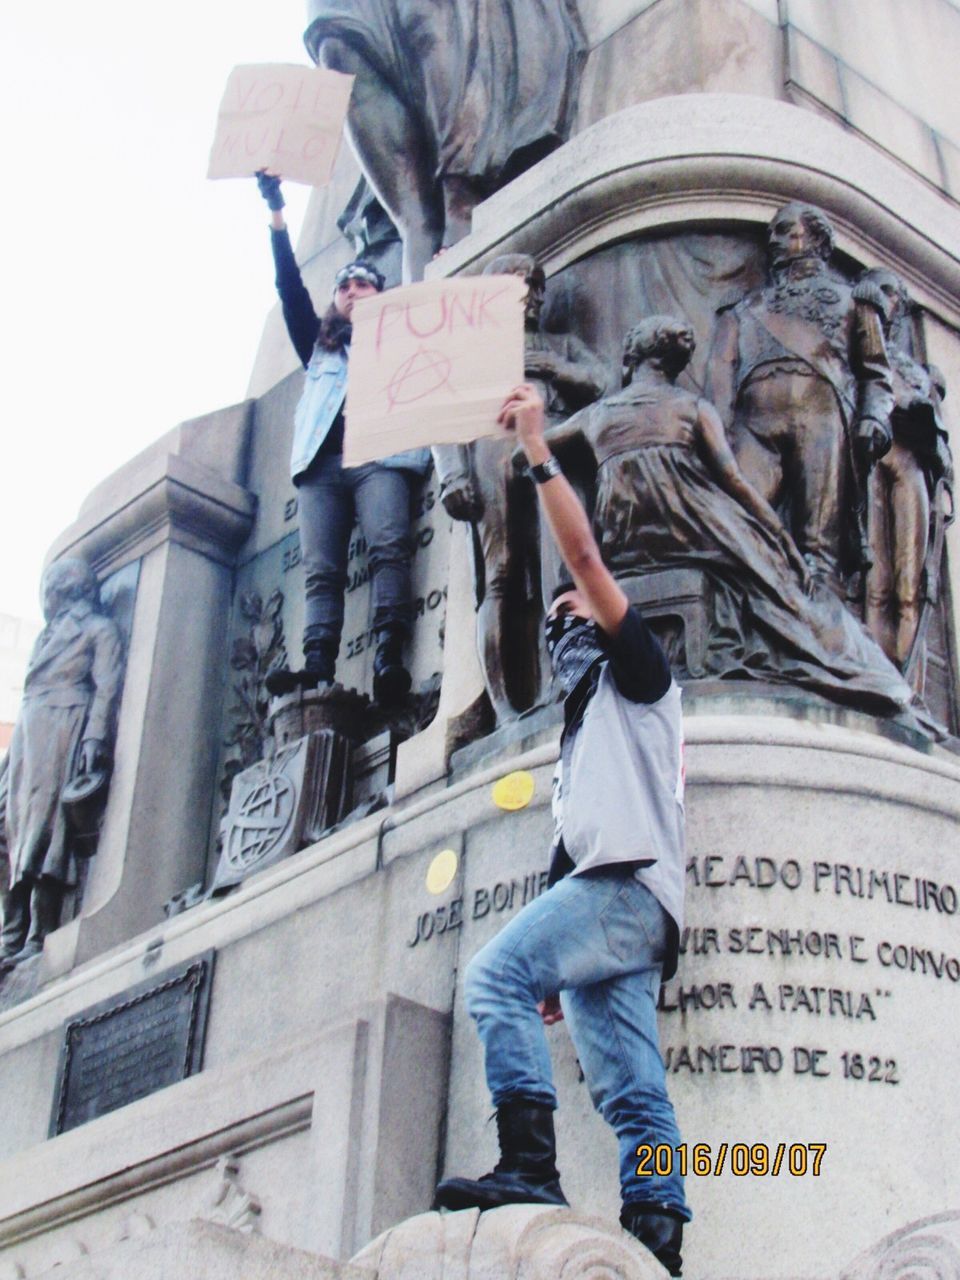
<point>391,679</point>
<point>657,1228</point>
<point>526,1172</point>
<point>319,665</point>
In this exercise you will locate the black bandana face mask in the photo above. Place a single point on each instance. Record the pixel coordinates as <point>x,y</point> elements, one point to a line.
<point>575,646</point>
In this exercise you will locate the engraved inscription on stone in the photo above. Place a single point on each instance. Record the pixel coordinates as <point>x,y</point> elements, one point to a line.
<point>809,966</point>
<point>133,1044</point>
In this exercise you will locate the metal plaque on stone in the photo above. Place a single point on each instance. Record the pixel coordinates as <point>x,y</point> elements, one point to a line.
<point>133,1044</point>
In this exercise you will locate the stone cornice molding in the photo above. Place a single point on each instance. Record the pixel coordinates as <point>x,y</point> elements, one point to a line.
<point>768,750</point>
<point>161,498</point>
<point>719,158</point>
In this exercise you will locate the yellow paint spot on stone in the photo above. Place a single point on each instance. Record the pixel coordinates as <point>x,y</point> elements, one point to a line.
<point>441,871</point>
<point>515,791</point>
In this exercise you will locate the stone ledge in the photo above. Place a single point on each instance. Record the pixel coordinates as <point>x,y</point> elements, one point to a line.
<point>715,744</point>
<point>156,499</point>
<point>518,1242</point>
<point>158,1137</point>
<point>718,157</point>
<point>186,1250</point>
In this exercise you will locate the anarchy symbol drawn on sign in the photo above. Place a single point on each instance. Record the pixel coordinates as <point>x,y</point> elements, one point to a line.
<point>419,376</point>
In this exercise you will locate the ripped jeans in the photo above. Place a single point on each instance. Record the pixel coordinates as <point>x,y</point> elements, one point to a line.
<point>329,497</point>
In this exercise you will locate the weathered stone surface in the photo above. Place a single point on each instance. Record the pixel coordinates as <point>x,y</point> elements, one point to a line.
<point>341,1132</point>
<point>744,156</point>
<point>178,512</point>
<point>308,943</point>
<point>915,73</point>
<point>603,18</point>
<point>728,47</point>
<point>186,1250</point>
<point>519,1242</point>
<point>927,1248</point>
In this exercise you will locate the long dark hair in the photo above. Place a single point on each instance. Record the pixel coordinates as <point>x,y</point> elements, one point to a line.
<point>335,330</point>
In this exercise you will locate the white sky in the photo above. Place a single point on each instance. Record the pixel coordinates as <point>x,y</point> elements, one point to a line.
<point>135,290</point>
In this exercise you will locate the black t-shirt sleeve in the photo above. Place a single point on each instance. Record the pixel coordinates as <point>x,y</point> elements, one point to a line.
<point>301,319</point>
<point>637,663</point>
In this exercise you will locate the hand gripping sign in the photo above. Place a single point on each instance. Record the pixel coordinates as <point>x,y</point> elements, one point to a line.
<point>283,118</point>
<point>432,364</point>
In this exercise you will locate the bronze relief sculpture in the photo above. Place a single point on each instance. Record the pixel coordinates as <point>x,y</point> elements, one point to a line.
<point>910,491</point>
<point>451,100</point>
<point>670,494</point>
<point>799,373</point>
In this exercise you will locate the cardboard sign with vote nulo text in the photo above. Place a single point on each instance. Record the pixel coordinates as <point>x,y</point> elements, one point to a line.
<point>283,118</point>
<point>431,364</point>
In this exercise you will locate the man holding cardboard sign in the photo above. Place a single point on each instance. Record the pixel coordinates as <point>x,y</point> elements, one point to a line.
<point>607,929</point>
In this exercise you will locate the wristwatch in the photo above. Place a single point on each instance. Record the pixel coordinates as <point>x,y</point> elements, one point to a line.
<point>545,471</point>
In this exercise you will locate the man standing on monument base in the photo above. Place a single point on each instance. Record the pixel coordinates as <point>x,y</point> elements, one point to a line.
<point>603,935</point>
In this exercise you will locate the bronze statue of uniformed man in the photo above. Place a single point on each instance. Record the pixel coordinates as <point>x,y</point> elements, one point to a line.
<point>799,374</point>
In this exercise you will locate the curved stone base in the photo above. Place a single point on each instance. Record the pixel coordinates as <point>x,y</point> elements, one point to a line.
<point>518,1242</point>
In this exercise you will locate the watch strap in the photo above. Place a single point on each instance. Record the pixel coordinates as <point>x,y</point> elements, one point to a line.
<point>544,471</point>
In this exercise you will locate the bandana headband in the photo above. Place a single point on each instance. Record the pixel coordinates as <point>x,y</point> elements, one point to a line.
<point>362,271</point>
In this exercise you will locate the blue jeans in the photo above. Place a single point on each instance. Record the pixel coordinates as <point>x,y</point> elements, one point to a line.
<point>598,939</point>
<point>329,496</point>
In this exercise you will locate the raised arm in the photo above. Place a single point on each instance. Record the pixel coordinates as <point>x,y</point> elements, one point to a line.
<point>523,412</point>
<point>301,319</point>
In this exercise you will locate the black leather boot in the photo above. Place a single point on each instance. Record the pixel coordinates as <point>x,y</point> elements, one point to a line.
<point>527,1169</point>
<point>391,679</point>
<point>319,665</point>
<point>657,1228</point>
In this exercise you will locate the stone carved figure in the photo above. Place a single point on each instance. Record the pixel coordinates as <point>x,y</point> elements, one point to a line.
<point>63,734</point>
<point>451,100</point>
<point>670,494</point>
<point>910,491</point>
<point>479,484</point>
<point>799,374</point>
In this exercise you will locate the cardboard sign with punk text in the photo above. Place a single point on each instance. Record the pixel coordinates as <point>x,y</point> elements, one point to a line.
<point>431,364</point>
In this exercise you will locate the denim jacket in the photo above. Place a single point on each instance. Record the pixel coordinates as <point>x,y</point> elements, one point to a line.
<point>324,390</point>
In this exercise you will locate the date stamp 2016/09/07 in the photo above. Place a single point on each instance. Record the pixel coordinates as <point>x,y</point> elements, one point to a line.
<point>742,1159</point>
